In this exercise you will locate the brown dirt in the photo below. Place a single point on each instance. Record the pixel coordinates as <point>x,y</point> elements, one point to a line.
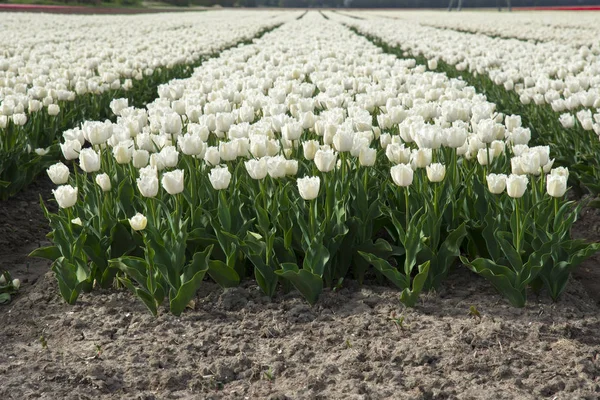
<point>237,344</point>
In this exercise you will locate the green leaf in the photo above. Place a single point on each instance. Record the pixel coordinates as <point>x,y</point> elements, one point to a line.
<point>224,213</point>
<point>500,277</point>
<point>68,282</point>
<point>49,253</point>
<point>222,274</point>
<point>395,276</point>
<point>121,241</point>
<point>449,250</point>
<point>191,281</point>
<point>4,298</point>
<point>316,259</point>
<point>141,294</point>
<point>509,251</point>
<point>409,297</point>
<point>307,283</point>
<point>133,267</point>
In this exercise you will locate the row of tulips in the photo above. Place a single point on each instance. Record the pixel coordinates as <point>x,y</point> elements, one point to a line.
<point>45,90</point>
<point>572,136</point>
<point>302,160</point>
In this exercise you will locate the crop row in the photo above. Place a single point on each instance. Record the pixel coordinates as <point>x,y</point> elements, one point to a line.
<point>538,94</point>
<point>47,86</point>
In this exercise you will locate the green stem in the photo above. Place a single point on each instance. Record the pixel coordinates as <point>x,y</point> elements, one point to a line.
<point>406,204</point>
<point>518,216</point>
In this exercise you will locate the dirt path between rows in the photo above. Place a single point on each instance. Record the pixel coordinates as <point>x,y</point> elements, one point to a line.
<point>238,344</point>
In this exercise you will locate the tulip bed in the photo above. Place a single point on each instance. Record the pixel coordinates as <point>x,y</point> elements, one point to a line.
<point>303,159</point>
<point>538,81</point>
<point>52,85</point>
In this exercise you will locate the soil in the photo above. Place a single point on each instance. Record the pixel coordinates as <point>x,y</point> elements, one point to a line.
<point>238,344</point>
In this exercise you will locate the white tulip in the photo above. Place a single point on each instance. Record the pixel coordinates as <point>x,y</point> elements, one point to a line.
<point>66,196</point>
<point>58,173</point>
<point>89,160</point>
<point>220,177</point>
<point>140,158</point>
<point>496,183</point>
<point>402,174</point>
<point>138,222</point>
<point>309,187</point>
<point>325,160</point>
<point>257,169</point>
<point>71,149</point>
<point>436,172</point>
<point>103,180</point>
<point>172,181</point>
<point>556,185</point>
<point>516,185</point>
<point>53,109</point>
<point>367,157</point>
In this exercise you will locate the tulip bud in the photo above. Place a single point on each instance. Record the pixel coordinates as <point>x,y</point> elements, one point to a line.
<point>291,131</point>
<point>496,183</point>
<point>220,177</point>
<point>103,180</point>
<point>512,121</point>
<point>2,279</point>
<point>228,151</point>
<point>191,144</point>
<point>309,187</point>
<point>16,283</point>
<point>402,174</point>
<point>66,196</point>
<point>138,222</point>
<point>77,221</point>
<point>456,137</point>
<point>516,185</point>
<point>58,173</point>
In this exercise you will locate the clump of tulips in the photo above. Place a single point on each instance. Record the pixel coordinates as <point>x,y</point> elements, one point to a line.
<point>8,287</point>
<point>301,161</point>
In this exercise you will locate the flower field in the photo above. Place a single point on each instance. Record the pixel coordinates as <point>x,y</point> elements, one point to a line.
<point>263,156</point>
